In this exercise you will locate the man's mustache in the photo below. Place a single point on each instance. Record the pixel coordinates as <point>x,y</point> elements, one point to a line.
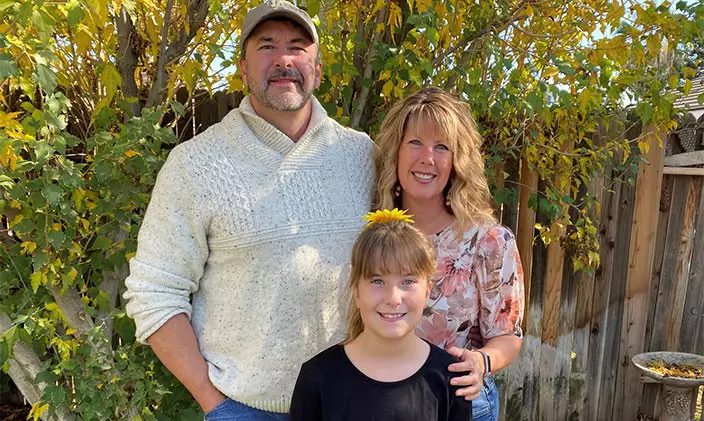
<point>286,74</point>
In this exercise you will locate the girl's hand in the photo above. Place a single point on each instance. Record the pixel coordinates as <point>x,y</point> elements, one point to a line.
<point>471,384</point>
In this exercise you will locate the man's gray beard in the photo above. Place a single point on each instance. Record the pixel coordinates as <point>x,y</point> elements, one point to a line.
<point>284,102</point>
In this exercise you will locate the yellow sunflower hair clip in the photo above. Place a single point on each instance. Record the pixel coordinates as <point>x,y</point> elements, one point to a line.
<point>384,216</point>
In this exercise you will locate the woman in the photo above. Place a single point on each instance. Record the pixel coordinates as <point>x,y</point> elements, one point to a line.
<point>429,162</point>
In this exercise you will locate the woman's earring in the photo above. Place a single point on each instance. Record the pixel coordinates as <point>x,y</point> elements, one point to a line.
<point>397,190</point>
<point>447,202</point>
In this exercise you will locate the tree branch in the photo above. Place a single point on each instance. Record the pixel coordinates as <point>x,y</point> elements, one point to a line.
<point>368,70</point>
<point>72,307</point>
<point>127,59</point>
<point>497,27</point>
<point>24,367</point>
<point>197,12</point>
<point>159,80</point>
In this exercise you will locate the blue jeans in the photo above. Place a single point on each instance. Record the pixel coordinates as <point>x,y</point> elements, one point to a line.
<point>486,406</point>
<point>230,410</point>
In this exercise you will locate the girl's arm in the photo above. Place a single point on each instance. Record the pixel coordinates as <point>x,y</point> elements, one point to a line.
<point>305,404</point>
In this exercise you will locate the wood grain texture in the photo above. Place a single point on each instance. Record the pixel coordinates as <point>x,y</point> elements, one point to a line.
<point>642,248</point>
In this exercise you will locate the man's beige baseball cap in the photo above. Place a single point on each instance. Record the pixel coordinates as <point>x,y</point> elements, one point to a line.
<point>276,9</point>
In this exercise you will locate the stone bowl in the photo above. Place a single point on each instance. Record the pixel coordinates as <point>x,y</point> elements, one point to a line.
<point>641,361</point>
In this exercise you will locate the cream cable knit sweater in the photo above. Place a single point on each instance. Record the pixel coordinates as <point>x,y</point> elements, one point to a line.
<point>259,230</point>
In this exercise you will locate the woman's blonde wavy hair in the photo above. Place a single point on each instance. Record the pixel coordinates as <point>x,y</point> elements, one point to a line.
<point>387,248</point>
<point>467,188</point>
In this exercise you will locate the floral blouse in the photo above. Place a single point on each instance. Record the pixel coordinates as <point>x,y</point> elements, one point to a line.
<point>477,292</point>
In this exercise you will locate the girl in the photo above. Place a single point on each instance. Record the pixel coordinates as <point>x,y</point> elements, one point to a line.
<point>383,371</point>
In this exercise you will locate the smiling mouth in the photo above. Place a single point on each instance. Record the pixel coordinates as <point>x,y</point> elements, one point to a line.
<point>392,316</point>
<point>423,176</point>
<point>281,81</point>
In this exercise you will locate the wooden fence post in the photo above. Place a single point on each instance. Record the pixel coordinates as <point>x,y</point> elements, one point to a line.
<point>642,246</point>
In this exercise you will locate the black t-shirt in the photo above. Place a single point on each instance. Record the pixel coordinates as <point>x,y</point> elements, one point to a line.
<point>330,387</point>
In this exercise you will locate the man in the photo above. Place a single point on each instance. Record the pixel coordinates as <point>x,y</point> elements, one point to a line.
<point>254,219</point>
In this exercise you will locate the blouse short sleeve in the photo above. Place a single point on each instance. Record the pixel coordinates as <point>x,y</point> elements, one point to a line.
<point>499,279</point>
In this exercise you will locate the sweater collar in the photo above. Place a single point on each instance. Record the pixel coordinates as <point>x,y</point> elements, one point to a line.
<point>275,138</point>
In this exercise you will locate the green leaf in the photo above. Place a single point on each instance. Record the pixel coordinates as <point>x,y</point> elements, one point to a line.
<point>56,238</point>
<point>46,78</point>
<point>313,7</point>
<point>43,151</point>
<point>700,98</point>
<point>8,68</point>
<point>4,352</point>
<point>11,336</point>
<point>178,108</point>
<point>433,35</point>
<point>52,193</point>
<point>101,243</point>
<point>47,377</point>
<point>7,183</point>
<point>75,13</point>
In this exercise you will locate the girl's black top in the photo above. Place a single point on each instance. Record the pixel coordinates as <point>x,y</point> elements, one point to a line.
<point>331,388</point>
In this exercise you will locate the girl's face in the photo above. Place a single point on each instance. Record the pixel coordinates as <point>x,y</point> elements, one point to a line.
<point>391,305</point>
<point>424,162</point>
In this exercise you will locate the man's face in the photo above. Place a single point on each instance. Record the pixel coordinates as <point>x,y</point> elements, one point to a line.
<point>280,66</point>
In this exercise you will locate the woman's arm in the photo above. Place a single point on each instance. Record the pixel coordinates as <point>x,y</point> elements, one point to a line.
<point>502,350</point>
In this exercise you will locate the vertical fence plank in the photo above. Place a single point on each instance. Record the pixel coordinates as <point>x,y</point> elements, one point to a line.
<point>531,343</point>
<point>526,228</point>
<point>666,282</point>
<point>615,283</point>
<point>608,227</point>
<point>649,398</point>
<point>684,256</point>
<point>582,318</point>
<point>642,247</point>
<point>692,334</point>
<point>550,331</point>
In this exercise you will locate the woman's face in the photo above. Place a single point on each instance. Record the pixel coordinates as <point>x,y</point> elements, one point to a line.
<point>424,162</point>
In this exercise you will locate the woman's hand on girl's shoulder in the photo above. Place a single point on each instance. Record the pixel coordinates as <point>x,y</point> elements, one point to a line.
<point>469,385</point>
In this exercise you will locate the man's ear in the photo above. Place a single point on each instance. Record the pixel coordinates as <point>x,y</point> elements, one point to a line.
<point>318,74</point>
<point>243,70</point>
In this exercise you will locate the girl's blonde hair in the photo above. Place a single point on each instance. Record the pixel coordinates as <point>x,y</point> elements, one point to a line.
<point>395,247</point>
<point>467,188</point>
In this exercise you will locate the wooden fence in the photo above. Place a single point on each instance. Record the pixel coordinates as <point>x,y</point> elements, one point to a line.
<point>581,330</point>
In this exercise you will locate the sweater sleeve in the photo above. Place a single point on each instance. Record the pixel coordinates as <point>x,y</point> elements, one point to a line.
<point>171,251</point>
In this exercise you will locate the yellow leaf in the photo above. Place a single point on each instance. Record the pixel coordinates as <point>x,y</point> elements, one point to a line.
<point>130,255</point>
<point>72,274</point>
<point>387,88</point>
<point>550,72</point>
<point>114,380</point>
<point>110,78</point>
<point>8,120</point>
<point>687,87</point>
<point>38,410</point>
<point>28,247</point>
<point>85,224</point>
<point>131,153</point>
<point>83,39</point>
<point>35,280</point>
